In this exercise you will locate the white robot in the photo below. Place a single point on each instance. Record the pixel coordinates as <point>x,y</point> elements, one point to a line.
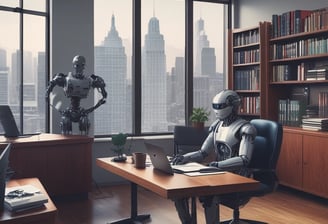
<point>233,139</point>
<point>76,87</point>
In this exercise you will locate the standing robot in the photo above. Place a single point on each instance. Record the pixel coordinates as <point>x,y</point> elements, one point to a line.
<point>233,139</point>
<point>76,87</point>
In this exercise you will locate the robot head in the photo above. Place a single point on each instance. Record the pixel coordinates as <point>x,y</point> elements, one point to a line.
<point>79,65</point>
<point>226,103</point>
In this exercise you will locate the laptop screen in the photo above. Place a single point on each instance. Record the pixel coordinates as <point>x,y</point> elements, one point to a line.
<point>8,122</point>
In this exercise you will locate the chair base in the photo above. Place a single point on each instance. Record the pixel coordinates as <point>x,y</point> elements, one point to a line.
<point>242,221</point>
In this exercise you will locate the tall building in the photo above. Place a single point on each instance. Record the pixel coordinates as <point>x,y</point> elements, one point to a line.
<point>154,104</point>
<point>207,82</point>
<point>111,65</point>
<point>3,77</point>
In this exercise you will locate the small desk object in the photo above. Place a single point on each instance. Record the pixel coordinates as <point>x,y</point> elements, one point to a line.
<point>174,186</point>
<point>43,215</point>
<point>61,162</point>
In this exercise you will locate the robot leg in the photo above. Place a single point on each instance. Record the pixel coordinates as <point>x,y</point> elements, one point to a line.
<point>84,125</point>
<point>210,205</point>
<point>182,207</point>
<point>66,125</point>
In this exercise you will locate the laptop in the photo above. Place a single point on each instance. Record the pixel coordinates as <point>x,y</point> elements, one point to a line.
<point>8,122</point>
<point>159,158</point>
<point>161,162</point>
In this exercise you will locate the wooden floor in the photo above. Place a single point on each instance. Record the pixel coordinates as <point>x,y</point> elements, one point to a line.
<point>108,204</point>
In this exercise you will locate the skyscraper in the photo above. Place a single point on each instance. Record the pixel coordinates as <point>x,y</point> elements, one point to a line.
<point>111,65</point>
<point>3,77</point>
<point>154,104</point>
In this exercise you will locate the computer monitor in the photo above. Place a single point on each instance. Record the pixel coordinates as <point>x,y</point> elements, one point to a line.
<point>4,161</point>
<point>8,122</point>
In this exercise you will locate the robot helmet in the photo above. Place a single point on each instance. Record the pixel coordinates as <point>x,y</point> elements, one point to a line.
<point>79,64</point>
<point>225,103</point>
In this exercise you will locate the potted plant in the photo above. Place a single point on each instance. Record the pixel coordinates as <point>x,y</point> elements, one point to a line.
<point>119,141</point>
<point>198,117</point>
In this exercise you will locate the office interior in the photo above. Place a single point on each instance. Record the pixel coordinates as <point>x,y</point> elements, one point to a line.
<point>74,18</point>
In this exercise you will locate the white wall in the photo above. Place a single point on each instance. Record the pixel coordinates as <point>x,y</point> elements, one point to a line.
<point>251,12</point>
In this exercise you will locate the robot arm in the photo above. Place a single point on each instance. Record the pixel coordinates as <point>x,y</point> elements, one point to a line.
<point>99,84</point>
<point>200,155</point>
<point>248,133</point>
<point>59,79</point>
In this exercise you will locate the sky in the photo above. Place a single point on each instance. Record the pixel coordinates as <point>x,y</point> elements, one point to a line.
<point>169,12</point>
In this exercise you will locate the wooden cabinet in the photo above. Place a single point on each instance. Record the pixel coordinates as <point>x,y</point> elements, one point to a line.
<point>248,58</point>
<point>62,163</point>
<point>303,161</point>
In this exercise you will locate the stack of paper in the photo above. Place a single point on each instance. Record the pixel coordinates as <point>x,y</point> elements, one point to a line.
<point>21,198</point>
<point>315,124</point>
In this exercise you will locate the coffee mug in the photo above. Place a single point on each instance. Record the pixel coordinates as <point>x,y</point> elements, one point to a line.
<point>139,159</point>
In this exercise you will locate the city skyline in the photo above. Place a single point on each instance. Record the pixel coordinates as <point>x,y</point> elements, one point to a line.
<point>170,111</point>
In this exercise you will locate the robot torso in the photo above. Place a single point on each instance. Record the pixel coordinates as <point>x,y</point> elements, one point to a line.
<point>227,139</point>
<point>75,87</point>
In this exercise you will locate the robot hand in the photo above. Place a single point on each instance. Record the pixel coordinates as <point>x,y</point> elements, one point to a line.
<point>214,164</point>
<point>188,157</point>
<point>178,160</point>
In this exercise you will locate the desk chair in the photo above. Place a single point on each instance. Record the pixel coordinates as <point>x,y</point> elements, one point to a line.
<point>263,164</point>
<point>189,139</point>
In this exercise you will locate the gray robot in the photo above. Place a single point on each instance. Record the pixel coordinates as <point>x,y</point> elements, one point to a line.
<point>233,140</point>
<point>76,86</point>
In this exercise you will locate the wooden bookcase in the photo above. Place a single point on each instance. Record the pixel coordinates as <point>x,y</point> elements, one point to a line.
<point>284,64</point>
<point>248,59</point>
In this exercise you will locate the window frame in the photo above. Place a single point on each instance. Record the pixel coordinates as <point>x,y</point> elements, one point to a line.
<point>20,9</point>
<point>136,61</point>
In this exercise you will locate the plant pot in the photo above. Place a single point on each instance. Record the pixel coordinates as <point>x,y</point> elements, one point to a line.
<point>199,125</point>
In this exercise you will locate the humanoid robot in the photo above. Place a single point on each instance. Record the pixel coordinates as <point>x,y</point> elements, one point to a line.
<point>233,139</point>
<point>76,87</point>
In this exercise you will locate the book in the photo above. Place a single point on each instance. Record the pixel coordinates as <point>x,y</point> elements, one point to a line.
<point>21,198</point>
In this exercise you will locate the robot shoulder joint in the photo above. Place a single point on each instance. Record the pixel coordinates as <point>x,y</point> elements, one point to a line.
<point>248,129</point>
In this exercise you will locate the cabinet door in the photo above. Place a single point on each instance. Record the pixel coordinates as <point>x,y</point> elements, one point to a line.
<point>315,168</point>
<point>289,167</point>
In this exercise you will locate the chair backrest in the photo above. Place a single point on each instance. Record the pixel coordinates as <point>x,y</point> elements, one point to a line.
<point>266,152</point>
<point>188,139</point>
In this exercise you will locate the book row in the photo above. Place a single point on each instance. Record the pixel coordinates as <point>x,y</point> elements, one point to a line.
<point>290,112</point>
<point>250,105</point>
<point>300,72</point>
<point>247,79</point>
<point>245,38</point>
<point>249,56</point>
<point>311,46</point>
<point>298,21</point>
<point>323,104</point>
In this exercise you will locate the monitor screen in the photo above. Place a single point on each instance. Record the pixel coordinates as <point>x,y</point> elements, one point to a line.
<point>4,161</point>
<point>8,122</point>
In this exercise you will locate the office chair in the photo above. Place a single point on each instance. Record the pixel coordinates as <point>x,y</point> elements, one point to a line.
<point>263,164</point>
<point>188,139</point>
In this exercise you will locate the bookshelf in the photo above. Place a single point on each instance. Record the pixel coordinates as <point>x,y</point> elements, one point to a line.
<point>298,75</point>
<point>248,56</point>
<point>292,66</point>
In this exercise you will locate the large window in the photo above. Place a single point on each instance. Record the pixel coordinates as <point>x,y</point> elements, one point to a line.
<point>23,61</point>
<point>140,49</point>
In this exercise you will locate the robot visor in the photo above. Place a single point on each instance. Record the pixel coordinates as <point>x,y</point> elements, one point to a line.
<point>219,106</point>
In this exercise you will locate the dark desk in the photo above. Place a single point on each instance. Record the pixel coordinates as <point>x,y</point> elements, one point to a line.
<point>44,215</point>
<point>61,162</point>
<point>174,186</point>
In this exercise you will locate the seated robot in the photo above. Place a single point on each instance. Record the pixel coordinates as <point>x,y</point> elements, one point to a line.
<point>76,87</point>
<point>233,140</point>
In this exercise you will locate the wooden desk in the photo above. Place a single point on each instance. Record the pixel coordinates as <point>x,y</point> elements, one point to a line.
<point>44,215</point>
<point>174,186</point>
<point>61,162</point>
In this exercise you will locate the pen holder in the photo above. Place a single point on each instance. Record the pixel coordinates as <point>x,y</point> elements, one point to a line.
<point>139,159</point>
